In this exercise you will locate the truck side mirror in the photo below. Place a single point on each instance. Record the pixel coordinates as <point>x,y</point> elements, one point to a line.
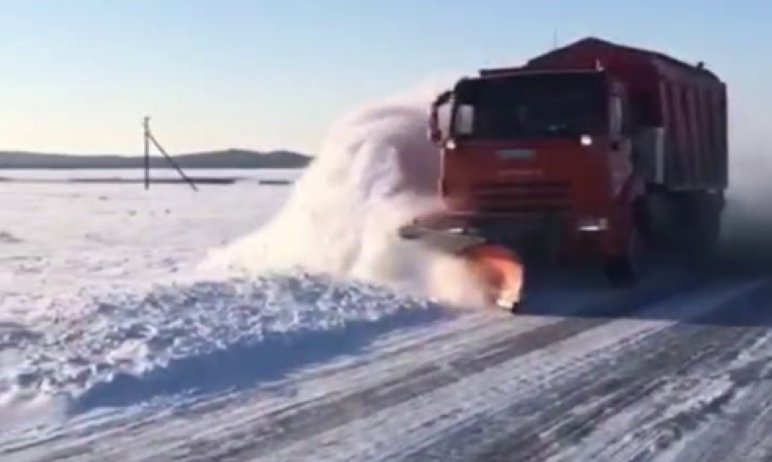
<point>438,118</point>
<point>435,135</point>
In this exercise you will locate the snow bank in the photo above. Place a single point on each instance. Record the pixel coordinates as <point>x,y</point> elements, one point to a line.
<point>125,348</point>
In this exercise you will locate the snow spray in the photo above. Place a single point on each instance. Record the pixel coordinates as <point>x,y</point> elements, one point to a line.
<point>376,171</point>
<point>747,220</point>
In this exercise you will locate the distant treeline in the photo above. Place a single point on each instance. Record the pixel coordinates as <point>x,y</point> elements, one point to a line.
<point>232,158</point>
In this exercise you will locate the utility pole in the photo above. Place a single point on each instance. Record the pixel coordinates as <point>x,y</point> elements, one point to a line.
<point>148,139</point>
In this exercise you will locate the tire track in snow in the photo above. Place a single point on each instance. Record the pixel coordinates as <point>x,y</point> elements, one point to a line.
<point>251,435</point>
<point>690,412</point>
<point>695,401</point>
<point>364,380</point>
<point>561,432</point>
<point>261,434</point>
<point>742,429</point>
<point>677,350</point>
<point>169,433</point>
<point>278,430</point>
<point>519,430</point>
<point>395,433</point>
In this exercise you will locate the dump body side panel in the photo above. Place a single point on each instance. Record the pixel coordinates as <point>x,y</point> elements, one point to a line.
<point>693,110</point>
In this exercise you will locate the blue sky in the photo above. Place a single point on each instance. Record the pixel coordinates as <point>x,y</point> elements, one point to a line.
<point>78,75</point>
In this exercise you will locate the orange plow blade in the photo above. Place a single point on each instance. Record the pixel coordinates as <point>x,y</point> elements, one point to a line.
<point>501,270</point>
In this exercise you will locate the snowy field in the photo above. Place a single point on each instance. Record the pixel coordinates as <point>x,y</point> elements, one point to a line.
<point>100,279</point>
<point>115,346</point>
<point>103,301</point>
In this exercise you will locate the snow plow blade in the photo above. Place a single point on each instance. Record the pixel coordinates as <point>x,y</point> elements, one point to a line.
<point>499,268</point>
<point>501,271</point>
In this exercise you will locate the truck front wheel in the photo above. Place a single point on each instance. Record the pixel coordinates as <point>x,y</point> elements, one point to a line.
<point>625,270</point>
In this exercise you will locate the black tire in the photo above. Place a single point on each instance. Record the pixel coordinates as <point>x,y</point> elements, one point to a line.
<point>653,217</point>
<point>626,270</point>
<point>619,272</point>
<point>700,224</point>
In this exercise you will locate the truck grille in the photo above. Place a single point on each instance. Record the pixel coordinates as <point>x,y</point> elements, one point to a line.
<point>522,197</point>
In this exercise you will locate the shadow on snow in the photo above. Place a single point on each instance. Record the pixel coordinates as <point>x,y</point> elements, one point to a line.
<point>245,364</point>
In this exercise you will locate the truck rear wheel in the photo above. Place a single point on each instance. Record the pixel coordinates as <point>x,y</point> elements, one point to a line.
<point>700,223</point>
<point>653,215</point>
<point>625,270</point>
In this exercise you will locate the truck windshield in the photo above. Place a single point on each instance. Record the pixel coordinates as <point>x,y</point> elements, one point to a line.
<point>536,106</point>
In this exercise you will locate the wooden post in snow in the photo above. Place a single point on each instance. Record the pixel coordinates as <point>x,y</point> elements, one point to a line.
<point>149,138</point>
<point>146,138</point>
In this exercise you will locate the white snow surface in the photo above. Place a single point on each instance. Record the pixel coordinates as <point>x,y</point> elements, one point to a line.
<point>102,305</point>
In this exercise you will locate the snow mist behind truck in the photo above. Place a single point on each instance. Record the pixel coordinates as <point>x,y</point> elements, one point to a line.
<point>593,148</point>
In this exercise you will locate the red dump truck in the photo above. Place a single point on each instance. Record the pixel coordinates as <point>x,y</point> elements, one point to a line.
<point>590,149</point>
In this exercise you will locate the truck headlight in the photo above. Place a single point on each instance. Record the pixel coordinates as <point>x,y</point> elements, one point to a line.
<point>592,224</point>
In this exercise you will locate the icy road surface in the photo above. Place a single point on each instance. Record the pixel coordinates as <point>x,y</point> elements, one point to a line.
<point>110,351</point>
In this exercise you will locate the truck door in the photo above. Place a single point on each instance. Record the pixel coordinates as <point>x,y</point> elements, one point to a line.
<point>620,144</point>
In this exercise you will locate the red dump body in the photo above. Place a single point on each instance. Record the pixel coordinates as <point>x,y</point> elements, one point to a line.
<point>687,100</point>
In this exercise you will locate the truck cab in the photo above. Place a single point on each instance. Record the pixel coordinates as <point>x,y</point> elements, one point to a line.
<point>539,158</point>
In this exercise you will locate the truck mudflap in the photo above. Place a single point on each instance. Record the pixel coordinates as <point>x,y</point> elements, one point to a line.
<point>499,269</point>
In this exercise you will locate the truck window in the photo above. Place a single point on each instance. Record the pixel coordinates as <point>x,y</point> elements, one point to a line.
<point>536,106</point>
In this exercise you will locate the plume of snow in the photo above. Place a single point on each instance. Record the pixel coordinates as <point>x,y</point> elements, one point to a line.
<point>376,171</point>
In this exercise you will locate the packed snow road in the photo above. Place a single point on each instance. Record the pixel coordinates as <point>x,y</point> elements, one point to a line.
<point>677,369</point>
